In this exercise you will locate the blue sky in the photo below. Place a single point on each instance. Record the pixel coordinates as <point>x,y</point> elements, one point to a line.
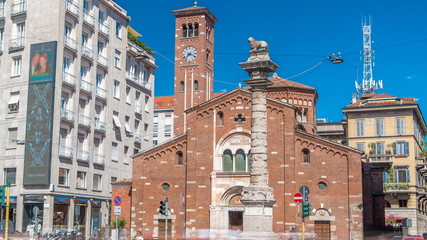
<point>300,35</point>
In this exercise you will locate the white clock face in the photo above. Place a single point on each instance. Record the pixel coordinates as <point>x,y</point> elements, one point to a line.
<point>189,54</point>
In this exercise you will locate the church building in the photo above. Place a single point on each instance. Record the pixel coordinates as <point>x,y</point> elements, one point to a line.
<point>203,169</point>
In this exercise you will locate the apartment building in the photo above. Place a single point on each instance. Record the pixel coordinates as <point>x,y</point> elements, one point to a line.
<point>391,131</point>
<point>77,99</point>
<point>163,119</point>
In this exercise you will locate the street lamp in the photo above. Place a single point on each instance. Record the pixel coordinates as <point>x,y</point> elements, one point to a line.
<point>336,59</point>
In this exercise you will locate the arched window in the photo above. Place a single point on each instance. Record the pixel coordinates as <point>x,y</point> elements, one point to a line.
<point>184,30</point>
<point>179,157</point>
<point>196,29</point>
<point>181,86</point>
<point>220,118</point>
<point>190,30</point>
<point>208,32</point>
<point>240,161</point>
<point>227,161</point>
<point>196,85</point>
<point>306,155</point>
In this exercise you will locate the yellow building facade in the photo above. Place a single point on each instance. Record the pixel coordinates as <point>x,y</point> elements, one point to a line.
<point>391,131</point>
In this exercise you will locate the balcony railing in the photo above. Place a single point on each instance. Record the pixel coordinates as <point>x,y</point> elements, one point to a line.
<point>16,43</point>
<point>101,93</point>
<point>65,151</point>
<point>380,158</point>
<point>2,12</point>
<point>83,155</point>
<point>72,7</point>
<point>19,7</point>
<point>84,120</point>
<point>87,52</point>
<point>98,159</point>
<point>139,80</point>
<point>396,187</point>
<point>69,79</point>
<point>100,126</point>
<point>85,86</point>
<point>103,28</point>
<point>89,18</point>
<point>138,109</point>
<point>67,115</point>
<point>137,138</point>
<point>102,60</point>
<point>71,43</point>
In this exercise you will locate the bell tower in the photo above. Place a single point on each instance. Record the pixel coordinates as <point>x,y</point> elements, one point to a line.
<point>194,64</point>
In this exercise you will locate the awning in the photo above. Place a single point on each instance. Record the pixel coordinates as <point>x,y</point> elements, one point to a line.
<point>116,121</point>
<point>80,201</point>
<point>127,127</point>
<point>62,200</point>
<point>14,99</point>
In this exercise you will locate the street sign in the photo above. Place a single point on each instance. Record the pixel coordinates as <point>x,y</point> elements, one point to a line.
<point>117,210</point>
<point>298,197</point>
<point>304,190</point>
<point>117,200</point>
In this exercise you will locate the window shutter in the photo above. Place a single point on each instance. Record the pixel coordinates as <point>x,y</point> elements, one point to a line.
<point>408,179</point>
<point>386,177</point>
<point>406,148</point>
<point>396,176</point>
<point>394,148</point>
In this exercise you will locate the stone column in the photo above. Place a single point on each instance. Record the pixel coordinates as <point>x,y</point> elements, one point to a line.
<point>258,197</point>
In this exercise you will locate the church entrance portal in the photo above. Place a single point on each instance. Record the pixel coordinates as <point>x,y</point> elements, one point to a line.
<point>322,229</point>
<point>235,220</point>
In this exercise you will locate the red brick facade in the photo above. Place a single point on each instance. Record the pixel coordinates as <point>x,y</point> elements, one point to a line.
<point>203,169</point>
<point>199,186</point>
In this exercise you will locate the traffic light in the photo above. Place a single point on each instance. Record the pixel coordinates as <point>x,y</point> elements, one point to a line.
<point>163,208</point>
<point>306,210</point>
<point>3,195</point>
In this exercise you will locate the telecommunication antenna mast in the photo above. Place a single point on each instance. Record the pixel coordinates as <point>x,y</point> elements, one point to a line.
<point>369,85</point>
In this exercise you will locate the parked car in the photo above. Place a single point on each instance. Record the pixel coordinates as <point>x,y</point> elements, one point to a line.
<point>412,238</point>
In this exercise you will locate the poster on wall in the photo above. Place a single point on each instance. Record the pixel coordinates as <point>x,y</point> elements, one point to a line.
<point>38,135</point>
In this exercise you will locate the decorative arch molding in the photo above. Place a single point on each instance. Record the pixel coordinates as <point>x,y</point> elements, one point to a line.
<point>164,151</point>
<point>223,104</point>
<point>304,143</point>
<point>230,134</point>
<point>229,194</point>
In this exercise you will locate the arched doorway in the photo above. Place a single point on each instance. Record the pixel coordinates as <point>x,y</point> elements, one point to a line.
<point>235,215</point>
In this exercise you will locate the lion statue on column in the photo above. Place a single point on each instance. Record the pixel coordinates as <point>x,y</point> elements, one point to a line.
<point>255,45</point>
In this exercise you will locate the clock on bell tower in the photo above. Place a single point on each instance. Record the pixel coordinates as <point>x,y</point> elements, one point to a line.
<point>194,64</point>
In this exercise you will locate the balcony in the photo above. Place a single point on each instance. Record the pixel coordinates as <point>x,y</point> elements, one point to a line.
<point>103,28</point>
<point>72,7</point>
<point>65,152</point>
<point>67,115</point>
<point>84,121</point>
<point>85,86</point>
<point>70,43</point>
<point>87,52</point>
<point>18,7</point>
<point>100,126</point>
<point>138,80</point>
<point>83,155</point>
<point>381,159</point>
<point>69,79</point>
<point>396,187</point>
<point>98,159</point>
<point>138,109</point>
<point>101,93</point>
<point>137,138</point>
<point>88,18</point>
<point>16,43</point>
<point>103,61</point>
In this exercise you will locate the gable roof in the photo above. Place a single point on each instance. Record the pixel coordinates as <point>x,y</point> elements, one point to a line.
<point>281,82</point>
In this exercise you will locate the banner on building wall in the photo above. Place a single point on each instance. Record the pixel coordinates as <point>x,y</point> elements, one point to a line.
<point>38,136</point>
